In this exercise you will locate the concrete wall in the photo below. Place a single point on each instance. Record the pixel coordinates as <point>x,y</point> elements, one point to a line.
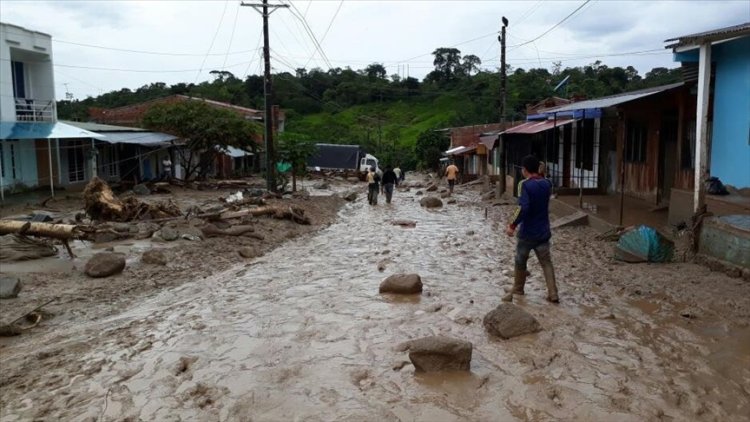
<point>727,238</point>
<point>730,150</point>
<point>19,165</point>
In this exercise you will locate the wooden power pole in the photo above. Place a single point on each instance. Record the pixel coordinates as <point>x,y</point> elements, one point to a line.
<point>268,118</point>
<point>503,90</point>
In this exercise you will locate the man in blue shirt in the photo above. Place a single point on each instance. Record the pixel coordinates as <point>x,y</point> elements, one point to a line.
<point>532,219</point>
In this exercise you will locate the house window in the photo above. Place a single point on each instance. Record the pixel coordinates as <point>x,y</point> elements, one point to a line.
<point>636,142</point>
<point>108,161</point>
<point>76,161</point>
<point>585,156</point>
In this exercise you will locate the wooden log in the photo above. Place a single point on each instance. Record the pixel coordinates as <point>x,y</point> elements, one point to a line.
<point>55,231</point>
<point>209,230</point>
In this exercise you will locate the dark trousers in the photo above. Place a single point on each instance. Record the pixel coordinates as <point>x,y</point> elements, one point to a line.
<point>388,188</point>
<point>372,193</point>
<point>524,247</point>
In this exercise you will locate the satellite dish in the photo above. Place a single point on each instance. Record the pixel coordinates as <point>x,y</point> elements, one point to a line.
<point>561,83</point>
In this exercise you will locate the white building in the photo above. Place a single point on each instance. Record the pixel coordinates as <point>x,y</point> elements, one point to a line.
<point>30,146</point>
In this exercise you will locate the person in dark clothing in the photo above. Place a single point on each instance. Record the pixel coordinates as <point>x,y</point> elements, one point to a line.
<point>534,233</point>
<point>389,181</point>
<point>373,186</point>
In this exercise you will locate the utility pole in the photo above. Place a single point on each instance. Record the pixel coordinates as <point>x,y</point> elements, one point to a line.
<point>501,145</point>
<point>503,78</point>
<point>268,117</point>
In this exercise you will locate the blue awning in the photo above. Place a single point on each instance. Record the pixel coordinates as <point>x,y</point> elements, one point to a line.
<point>43,130</point>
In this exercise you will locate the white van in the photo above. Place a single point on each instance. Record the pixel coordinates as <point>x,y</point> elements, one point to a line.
<point>369,161</point>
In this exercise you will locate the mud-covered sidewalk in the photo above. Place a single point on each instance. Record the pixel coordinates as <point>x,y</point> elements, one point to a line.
<point>301,333</point>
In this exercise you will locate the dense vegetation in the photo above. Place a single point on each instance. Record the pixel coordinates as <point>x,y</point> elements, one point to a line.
<point>387,114</point>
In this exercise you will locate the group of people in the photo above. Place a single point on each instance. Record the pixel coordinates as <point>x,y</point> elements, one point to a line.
<point>384,183</point>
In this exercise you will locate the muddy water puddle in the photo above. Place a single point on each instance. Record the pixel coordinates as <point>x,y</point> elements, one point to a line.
<point>302,334</point>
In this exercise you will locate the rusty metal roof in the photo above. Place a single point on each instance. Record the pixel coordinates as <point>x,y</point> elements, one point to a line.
<point>720,34</point>
<point>614,100</point>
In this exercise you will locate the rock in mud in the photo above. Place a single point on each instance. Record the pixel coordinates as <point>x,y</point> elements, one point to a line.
<point>9,287</point>
<point>248,252</point>
<point>320,185</point>
<point>445,194</point>
<point>402,284</point>
<point>508,321</point>
<point>419,193</point>
<point>154,257</point>
<point>350,196</point>
<point>431,188</point>
<point>169,234</point>
<point>438,353</point>
<point>404,223</point>
<point>352,179</point>
<point>141,189</point>
<point>105,264</point>
<point>452,201</point>
<point>431,202</point>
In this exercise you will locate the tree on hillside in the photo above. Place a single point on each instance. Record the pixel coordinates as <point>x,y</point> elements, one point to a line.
<point>375,71</point>
<point>470,64</point>
<point>429,148</point>
<point>295,149</point>
<point>205,129</point>
<point>447,63</point>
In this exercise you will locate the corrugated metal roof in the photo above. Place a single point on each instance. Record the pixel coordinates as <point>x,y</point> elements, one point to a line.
<point>98,127</point>
<point>712,35</point>
<point>235,152</point>
<point>38,130</point>
<point>529,128</point>
<point>613,100</point>
<point>139,138</point>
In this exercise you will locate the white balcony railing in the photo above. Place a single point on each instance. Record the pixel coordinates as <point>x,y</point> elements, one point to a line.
<point>28,110</point>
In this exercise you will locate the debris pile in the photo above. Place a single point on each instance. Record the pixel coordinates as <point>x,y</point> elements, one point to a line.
<point>101,203</point>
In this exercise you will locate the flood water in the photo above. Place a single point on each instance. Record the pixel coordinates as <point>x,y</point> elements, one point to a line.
<point>303,334</point>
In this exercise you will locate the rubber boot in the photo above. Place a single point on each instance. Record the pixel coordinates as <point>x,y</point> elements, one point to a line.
<point>549,278</point>
<point>519,280</point>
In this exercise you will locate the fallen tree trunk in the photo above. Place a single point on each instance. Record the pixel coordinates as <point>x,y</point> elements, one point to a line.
<point>55,231</point>
<point>209,230</point>
<point>293,213</point>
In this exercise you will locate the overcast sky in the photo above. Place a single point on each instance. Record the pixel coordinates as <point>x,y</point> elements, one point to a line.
<point>399,34</point>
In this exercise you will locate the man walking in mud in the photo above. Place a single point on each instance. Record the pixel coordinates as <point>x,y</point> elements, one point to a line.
<point>532,219</point>
<point>390,179</point>
<point>451,172</point>
<point>373,186</point>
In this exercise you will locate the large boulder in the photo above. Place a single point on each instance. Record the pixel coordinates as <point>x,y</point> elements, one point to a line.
<point>431,202</point>
<point>141,189</point>
<point>9,287</point>
<point>508,320</point>
<point>438,353</point>
<point>350,196</point>
<point>154,257</point>
<point>169,234</point>
<point>402,284</point>
<point>104,264</point>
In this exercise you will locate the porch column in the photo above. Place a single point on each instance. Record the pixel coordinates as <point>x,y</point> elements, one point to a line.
<point>701,127</point>
<point>51,173</point>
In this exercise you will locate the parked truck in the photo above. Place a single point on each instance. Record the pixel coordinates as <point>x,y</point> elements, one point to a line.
<point>342,157</point>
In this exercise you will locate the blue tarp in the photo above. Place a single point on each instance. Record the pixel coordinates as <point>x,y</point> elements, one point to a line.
<point>644,244</point>
<point>43,130</point>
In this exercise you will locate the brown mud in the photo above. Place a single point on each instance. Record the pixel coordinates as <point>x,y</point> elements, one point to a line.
<point>301,332</point>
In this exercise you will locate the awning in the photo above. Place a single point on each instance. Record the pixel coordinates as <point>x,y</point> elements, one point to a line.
<point>453,150</point>
<point>460,150</point>
<point>139,138</point>
<point>488,141</point>
<point>235,152</point>
<point>43,130</point>
<point>530,128</point>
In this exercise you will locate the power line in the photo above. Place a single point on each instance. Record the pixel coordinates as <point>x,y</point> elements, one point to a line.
<point>231,37</point>
<point>553,26</point>
<point>218,27</point>
<point>310,33</point>
<point>323,38</point>
<point>154,53</point>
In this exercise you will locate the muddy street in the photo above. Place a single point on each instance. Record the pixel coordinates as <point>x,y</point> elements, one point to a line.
<point>301,333</point>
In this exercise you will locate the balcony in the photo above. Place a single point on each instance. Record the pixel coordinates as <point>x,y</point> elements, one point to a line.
<point>29,110</point>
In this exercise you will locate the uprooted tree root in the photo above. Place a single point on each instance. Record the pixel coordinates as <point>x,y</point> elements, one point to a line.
<point>102,204</point>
